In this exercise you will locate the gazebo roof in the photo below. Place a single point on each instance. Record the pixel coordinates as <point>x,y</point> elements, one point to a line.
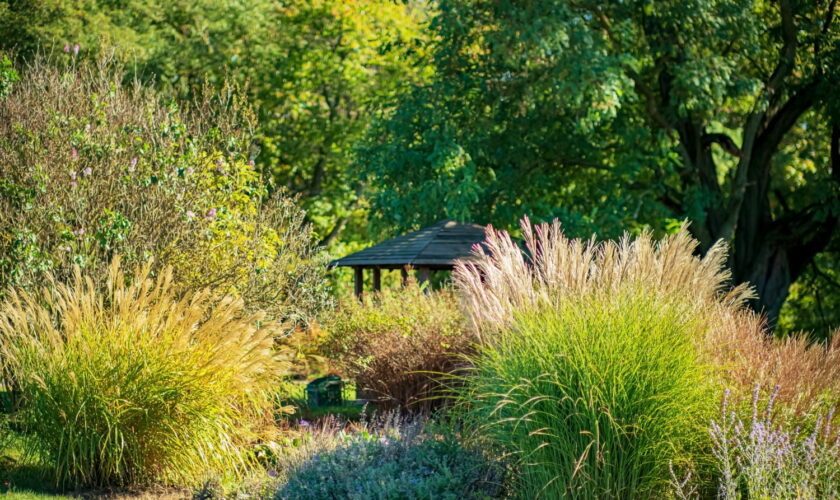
<point>434,246</point>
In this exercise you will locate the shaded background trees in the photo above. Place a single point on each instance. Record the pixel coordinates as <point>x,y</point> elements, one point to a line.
<point>631,114</point>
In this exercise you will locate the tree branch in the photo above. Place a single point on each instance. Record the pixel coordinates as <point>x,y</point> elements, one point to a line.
<point>835,151</point>
<point>724,141</point>
<point>784,66</point>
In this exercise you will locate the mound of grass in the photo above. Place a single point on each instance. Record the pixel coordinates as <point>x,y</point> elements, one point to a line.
<point>596,397</point>
<point>129,384</point>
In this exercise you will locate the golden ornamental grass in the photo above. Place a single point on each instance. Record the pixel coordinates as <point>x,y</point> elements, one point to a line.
<point>130,383</point>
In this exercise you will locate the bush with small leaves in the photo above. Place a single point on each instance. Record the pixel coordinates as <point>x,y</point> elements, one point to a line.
<point>391,458</point>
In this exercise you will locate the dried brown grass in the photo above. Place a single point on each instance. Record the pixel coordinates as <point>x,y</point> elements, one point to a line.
<point>397,344</point>
<point>504,280</point>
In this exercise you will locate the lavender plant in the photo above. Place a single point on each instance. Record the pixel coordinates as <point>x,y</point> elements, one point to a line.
<point>769,457</point>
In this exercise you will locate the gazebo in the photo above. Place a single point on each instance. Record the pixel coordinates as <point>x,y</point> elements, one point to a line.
<point>432,248</point>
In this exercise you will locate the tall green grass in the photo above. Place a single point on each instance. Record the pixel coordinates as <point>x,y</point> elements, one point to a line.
<point>595,362</point>
<point>595,397</point>
<point>126,383</point>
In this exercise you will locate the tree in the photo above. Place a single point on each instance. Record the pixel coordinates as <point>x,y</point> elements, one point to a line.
<point>629,114</point>
<point>332,67</point>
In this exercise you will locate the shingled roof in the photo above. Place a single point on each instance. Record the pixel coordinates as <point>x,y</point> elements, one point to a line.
<point>435,246</point>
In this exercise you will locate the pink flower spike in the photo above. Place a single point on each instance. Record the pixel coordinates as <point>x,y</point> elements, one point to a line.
<point>76,49</point>
<point>211,213</point>
<point>67,47</point>
<point>74,154</point>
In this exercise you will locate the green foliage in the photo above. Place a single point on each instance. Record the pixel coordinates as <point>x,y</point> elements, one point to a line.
<point>402,459</point>
<point>813,306</point>
<point>398,343</point>
<point>623,115</point>
<point>135,384</point>
<point>317,71</point>
<point>596,397</point>
<point>337,65</point>
<point>8,76</point>
<point>91,168</point>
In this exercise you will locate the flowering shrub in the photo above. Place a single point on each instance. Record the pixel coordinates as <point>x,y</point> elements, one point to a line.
<point>391,458</point>
<point>397,343</point>
<point>769,458</point>
<point>91,168</point>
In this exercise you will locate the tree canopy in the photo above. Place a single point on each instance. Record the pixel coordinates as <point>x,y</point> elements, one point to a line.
<point>629,114</point>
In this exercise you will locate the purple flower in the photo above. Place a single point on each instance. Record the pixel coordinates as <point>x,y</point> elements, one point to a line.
<point>80,231</point>
<point>67,47</point>
<point>74,154</point>
<point>87,171</point>
<point>74,184</point>
<point>304,423</point>
<point>220,163</point>
<point>272,473</point>
<point>133,164</point>
<point>251,163</point>
<point>76,49</point>
<point>211,213</point>
<point>384,441</point>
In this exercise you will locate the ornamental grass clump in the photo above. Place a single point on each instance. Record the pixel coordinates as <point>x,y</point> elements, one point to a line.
<point>592,369</point>
<point>135,384</point>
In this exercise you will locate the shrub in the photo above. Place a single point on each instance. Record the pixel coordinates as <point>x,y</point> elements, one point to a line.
<point>91,168</point>
<point>135,384</point>
<point>592,367</point>
<point>397,343</point>
<point>767,457</point>
<point>389,458</point>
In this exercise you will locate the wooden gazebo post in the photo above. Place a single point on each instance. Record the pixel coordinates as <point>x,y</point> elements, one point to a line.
<point>358,281</point>
<point>377,279</point>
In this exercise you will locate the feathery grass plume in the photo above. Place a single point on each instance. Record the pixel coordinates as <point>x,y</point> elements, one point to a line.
<point>129,383</point>
<point>505,279</point>
<point>593,366</point>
